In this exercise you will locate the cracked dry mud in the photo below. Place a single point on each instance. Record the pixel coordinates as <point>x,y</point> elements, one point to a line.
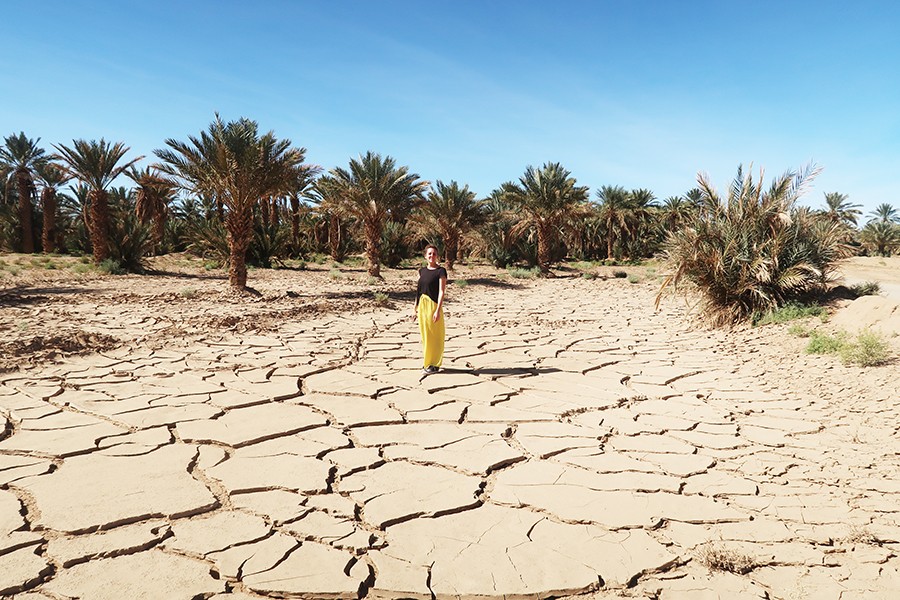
<point>564,449</point>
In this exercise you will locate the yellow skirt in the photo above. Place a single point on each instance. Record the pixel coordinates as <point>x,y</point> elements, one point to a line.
<point>432,332</point>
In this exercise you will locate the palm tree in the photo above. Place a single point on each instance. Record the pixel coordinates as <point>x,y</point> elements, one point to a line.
<point>642,236</point>
<point>301,183</point>
<point>754,251</point>
<point>22,157</point>
<point>880,237</point>
<point>375,190</point>
<point>97,164</point>
<point>52,177</point>
<point>884,213</point>
<point>154,193</point>
<point>675,212</point>
<point>238,167</point>
<point>839,209</point>
<point>328,196</point>
<point>501,240</point>
<point>547,199</point>
<point>450,211</point>
<point>614,207</point>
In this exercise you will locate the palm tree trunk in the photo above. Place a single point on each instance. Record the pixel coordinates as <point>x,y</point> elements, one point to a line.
<point>334,238</point>
<point>240,229</point>
<point>266,210</point>
<point>99,225</point>
<point>451,249</point>
<point>276,212</point>
<point>48,200</point>
<point>543,239</point>
<point>373,247</point>
<point>610,241</point>
<point>295,224</point>
<point>159,231</point>
<point>26,221</point>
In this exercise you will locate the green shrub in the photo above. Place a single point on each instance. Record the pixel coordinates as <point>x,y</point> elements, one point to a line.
<point>211,265</point>
<point>588,275</point>
<point>129,242</point>
<point>799,330</point>
<point>394,244</point>
<point>335,275</point>
<point>270,243</point>
<point>824,343</point>
<point>520,273</point>
<point>110,266</point>
<point>461,283</point>
<point>82,268</point>
<point>620,274</point>
<point>207,239</point>
<point>754,251</point>
<point>633,278</point>
<point>868,350</point>
<point>187,292</point>
<point>381,299</point>
<point>789,312</point>
<point>868,288</point>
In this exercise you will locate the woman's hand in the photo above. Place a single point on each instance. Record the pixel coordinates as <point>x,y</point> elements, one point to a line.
<point>436,316</point>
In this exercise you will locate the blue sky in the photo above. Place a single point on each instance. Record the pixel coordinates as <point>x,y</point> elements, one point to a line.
<point>635,93</point>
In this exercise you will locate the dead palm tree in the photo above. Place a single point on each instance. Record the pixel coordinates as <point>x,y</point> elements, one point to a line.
<point>546,198</point>
<point>450,211</point>
<point>239,167</point>
<point>52,178</point>
<point>22,156</point>
<point>375,189</point>
<point>97,164</point>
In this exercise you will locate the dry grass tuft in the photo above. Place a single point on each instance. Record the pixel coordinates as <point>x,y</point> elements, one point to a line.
<point>861,535</point>
<point>719,558</point>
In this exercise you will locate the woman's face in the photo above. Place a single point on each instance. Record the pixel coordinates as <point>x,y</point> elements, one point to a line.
<point>431,256</point>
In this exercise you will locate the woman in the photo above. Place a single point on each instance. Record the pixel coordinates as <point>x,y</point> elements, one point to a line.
<point>429,310</point>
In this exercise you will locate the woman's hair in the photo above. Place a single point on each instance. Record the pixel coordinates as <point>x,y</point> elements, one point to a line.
<point>425,249</point>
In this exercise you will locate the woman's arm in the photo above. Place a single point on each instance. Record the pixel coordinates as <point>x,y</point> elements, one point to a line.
<point>440,303</point>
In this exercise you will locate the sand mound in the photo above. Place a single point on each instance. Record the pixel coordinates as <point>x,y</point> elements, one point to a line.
<point>876,312</point>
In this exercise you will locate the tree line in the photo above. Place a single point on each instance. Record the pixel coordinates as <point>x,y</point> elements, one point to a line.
<point>237,195</point>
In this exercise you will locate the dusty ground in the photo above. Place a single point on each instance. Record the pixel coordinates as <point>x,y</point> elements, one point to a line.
<point>285,444</point>
<point>886,271</point>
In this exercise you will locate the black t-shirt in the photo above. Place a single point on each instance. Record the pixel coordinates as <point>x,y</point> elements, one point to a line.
<point>430,282</point>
